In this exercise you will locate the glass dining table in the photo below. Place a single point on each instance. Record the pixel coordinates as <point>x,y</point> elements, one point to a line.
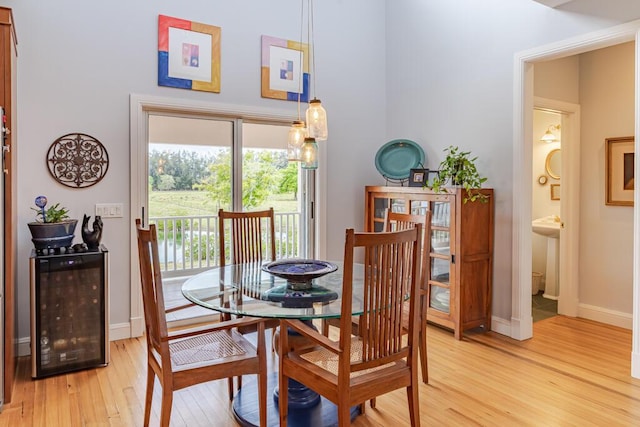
<point>248,290</point>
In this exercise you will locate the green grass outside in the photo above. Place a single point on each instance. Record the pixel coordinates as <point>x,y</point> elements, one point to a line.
<point>191,203</point>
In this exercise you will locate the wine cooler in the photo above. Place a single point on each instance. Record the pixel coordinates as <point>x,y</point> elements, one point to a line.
<point>69,311</point>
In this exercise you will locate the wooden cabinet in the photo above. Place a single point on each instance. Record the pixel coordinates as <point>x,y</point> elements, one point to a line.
<point>8,57</point>
<point>460,251</point>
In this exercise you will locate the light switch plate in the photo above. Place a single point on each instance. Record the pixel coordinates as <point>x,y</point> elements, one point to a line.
<point>109,210</point>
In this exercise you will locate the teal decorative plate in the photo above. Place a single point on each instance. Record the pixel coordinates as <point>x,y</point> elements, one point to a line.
<point>395,159</point>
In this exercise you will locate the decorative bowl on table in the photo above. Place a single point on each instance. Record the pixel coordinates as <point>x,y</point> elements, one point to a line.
<point>299,273</point>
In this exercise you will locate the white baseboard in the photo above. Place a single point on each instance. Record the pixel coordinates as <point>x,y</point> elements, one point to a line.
<point>119,331</point>
<point>501,326</point>
<point>24,346</point>
<point>604,315</point>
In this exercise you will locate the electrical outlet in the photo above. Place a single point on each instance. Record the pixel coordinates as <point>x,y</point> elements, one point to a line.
<point>109,210</point>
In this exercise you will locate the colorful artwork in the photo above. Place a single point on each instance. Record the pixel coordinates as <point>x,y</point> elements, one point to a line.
<point>284,69</point>
<point>188,54</point>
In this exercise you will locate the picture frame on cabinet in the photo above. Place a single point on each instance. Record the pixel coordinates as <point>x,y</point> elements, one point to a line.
<point>619,171</point>
<point>418,177</point>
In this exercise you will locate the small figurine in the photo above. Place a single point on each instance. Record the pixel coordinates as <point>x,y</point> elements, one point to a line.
<point>92,237</point>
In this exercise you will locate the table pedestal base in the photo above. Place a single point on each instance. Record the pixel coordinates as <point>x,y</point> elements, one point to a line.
<point>245,407</point>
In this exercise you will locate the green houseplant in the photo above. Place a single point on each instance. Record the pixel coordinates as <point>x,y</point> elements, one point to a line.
<point>459,169</point>
<point>52,214</point>
<point>53,228</point>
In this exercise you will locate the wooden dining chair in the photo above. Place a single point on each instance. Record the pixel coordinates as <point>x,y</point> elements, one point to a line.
<point>355,369</point>
<point>191,356</point>
<point>245,238</point>
<point>251,236</point>
<point>395,221</point>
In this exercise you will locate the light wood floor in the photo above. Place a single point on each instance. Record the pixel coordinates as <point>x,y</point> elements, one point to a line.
<point>572,373</point>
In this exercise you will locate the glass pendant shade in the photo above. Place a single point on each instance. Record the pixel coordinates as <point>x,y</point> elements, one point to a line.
<point>309,154</point>
<point>297,135</point>
<point>317,120</point>
<point>548,137</point>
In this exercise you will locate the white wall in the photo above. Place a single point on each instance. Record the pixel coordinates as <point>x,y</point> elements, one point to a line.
<point>606,232</point>
<point>558,79</point>
<point>439,72</point>
<point>450,82</point>
<point>79,61</point>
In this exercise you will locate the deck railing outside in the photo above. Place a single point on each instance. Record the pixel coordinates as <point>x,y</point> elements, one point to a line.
<point>189,244</point>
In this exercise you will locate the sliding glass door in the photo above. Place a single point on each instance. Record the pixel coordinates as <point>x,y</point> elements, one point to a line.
<point>198,164</point>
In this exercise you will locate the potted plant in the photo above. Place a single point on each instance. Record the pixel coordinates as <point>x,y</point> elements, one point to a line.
<point>459,169</point>
<point>53,228</point>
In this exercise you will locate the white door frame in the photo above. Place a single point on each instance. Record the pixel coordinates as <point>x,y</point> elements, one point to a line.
<point>521,324</point>
<point>139,108</point>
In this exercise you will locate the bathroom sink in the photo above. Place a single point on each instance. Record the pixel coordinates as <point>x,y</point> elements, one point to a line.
<point>548,226</point>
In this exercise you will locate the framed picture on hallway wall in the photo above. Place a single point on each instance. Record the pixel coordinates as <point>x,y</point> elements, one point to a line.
<point>619,175</point>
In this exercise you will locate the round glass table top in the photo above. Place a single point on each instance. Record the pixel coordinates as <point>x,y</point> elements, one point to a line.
<point>246,289</point>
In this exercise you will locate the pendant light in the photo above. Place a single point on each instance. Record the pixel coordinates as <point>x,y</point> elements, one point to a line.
<point>309,154</point>
<point>316,114</point>
<point>301,141</point>
<point>297,134</point>
<point>317,120</point>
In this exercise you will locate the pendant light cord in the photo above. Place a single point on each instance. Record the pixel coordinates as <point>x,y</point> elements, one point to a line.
<point>312,47</point>
<point>300,74</point>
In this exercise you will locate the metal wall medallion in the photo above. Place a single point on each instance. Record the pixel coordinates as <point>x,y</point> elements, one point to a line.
<point>77,160</point>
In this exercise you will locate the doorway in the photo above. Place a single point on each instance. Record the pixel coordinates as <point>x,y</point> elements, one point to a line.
<point>546,210</point>
<point>521,326</point>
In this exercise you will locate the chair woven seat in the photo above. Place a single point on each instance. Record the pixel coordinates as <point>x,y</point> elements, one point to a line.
<point>216,345</point>
<point>328,360</point>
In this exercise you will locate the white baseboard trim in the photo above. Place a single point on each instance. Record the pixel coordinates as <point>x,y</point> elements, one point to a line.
<point>501,326</point>
<point>119,331</point>
<point>604,315</point>
<point>136,327</point>
<point>24,346</point>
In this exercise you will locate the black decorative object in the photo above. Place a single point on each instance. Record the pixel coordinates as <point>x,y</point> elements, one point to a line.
<point>299,272</point>
<point>92,237</point>
<point>300,298</point>
<point>77,160</point>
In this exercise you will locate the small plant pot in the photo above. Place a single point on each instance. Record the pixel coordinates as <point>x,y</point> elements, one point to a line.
<point>52,235</point>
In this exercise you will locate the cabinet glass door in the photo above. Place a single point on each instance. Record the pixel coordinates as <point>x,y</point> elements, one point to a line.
<point>419,207</point>
<point>380,205</point>
<point>440,257</point>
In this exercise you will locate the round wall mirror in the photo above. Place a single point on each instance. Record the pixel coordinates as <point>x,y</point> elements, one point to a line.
<point>552,164</point>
